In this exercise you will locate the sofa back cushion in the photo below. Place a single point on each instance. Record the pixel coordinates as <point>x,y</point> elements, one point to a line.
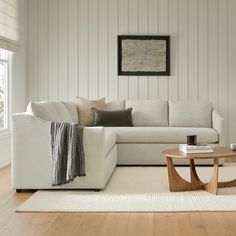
<point>190,114</point>
<point>115,105</point>
<point>54,111</point>
<point>148,112</point>
<point>72,109</point>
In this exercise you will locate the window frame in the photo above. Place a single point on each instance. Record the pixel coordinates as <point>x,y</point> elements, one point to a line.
<point>6,130</point>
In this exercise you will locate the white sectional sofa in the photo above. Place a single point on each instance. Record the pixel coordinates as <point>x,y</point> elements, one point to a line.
<point>158,125</point>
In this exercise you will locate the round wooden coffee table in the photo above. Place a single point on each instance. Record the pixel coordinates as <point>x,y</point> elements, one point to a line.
<point>177,183</point>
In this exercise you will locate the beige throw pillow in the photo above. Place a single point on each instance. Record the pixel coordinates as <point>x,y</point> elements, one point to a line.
<point>86,115</point>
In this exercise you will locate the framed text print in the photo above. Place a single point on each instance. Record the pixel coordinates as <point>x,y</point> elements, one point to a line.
<point>143,55</point>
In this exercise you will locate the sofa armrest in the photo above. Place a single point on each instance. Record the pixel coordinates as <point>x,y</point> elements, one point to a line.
<point>27,127</point>
<point>31,159</point>
<point>218,125</point>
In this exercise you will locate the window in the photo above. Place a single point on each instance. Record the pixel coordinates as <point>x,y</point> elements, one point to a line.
<point>3,89</point>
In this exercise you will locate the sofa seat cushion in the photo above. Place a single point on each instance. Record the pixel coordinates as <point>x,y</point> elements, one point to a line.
<point>110,140</point>
<point>162,134</point>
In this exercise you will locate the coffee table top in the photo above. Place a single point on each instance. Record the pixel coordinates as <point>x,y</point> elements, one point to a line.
<point>219,152</point>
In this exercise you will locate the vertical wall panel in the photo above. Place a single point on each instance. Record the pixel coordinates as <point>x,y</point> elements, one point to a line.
<point>72,49</point>
<point>163,30</point>
<point>193,49</point>
<point>143,29</point>
<point>123,29</point>
<point>43,51</point>
<point>83,48</point>
<point>33,50</point>
<point>213,52</point>
<point>183,50</point>
<point>53,50</point>
<point>174,66</point>
<point>113,31</point>
<point>222,60</point>
<point>103,48</point>
<point>63,49</point>
<point>93,49</point>
<point>153,30</point>
<point>203,50</point>
<point>232,69</point>
<point>133,29</point>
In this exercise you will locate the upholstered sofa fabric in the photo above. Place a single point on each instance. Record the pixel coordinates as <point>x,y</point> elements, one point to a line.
<point>110,140</point>
<point>53,111</point>
<point>190,114</point>
<point>105,147</point>
<point>148,112</point>
<point>31,161</point>
<point>115,105</point>
<point>72,109</point>
<point>163,134</point>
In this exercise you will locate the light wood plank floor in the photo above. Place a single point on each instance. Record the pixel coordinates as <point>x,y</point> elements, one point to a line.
<point>110,224</point>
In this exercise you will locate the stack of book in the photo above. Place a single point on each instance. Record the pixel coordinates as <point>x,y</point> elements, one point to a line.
<point>196,148</point>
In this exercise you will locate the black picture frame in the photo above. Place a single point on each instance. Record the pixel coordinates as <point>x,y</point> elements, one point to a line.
<point>120,38</point>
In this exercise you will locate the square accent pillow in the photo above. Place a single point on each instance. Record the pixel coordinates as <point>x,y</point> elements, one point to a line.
<point>113,118</point>
<point>86,115</point>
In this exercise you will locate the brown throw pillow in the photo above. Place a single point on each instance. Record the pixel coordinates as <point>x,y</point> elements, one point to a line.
<point>113,118</point>
<point>86,115</point>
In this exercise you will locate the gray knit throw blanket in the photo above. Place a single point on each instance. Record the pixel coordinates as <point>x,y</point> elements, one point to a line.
<point>67,152</point>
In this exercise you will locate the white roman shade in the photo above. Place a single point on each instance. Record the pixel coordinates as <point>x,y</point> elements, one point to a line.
<point>9,33</point>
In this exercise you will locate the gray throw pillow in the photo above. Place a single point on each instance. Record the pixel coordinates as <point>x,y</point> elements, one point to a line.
<point>113,118</point>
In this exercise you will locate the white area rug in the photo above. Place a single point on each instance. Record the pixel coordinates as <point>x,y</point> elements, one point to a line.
<point>137,189</point>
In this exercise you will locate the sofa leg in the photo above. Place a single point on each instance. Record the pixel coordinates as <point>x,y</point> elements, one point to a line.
<point>19,190</point>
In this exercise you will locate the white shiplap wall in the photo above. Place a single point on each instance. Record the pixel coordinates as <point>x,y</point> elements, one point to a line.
<point>73,50</point>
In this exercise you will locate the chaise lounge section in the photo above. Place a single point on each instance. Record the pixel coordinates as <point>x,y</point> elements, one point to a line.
<point>31,161</point>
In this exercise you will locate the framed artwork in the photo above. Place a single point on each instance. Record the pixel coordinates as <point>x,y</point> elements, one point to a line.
<point>143,55</point>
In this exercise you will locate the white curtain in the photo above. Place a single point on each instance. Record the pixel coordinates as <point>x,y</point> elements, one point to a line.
<point>9,28</point>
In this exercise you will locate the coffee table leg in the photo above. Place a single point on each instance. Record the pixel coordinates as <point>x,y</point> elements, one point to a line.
<point>176,182</point>
<point>171,175</point>
<point>193,173</point>
<point>212,186</point>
